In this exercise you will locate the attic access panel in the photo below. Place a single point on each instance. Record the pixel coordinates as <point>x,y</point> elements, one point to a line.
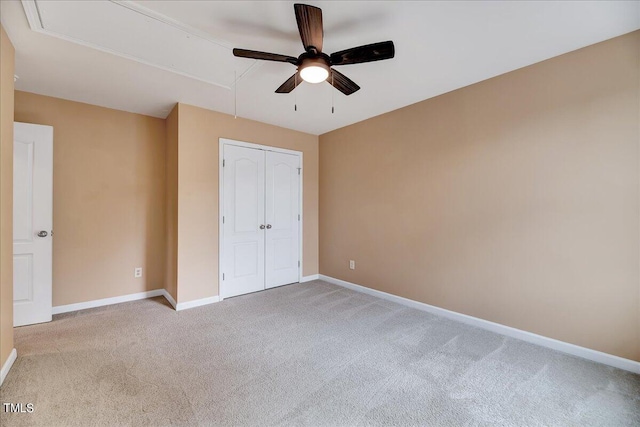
<point>135,32</point>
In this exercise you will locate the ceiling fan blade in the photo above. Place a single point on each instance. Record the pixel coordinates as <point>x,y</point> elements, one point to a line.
<point>291,83</point>
<point>310,25</point>
<point>253,54</point>
<point>343,83</point>
<point>366,53</point>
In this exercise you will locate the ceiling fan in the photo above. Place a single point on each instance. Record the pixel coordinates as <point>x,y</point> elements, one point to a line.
<point>315,66</point>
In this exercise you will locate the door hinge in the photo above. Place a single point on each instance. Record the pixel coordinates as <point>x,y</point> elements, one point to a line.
<point>298,263</point>
<point>223,219</point>
<point>299,171</point>
<point>223,162</point>
<point>222,276</point>
<point>298,217</point>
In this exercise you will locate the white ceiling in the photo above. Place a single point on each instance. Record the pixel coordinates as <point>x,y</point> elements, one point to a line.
<point>145,56</point>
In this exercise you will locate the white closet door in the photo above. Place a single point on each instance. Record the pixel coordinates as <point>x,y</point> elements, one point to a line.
<point>32,223</point>
<point>244,240</point>
<point>282,209</point>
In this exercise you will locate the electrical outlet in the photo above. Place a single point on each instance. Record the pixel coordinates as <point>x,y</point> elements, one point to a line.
<point>137,272</point>
<point>352,264</point>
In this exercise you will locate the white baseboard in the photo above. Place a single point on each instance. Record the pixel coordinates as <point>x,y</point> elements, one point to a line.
<point>196,303</point>
<point>564,347</point>
<point>169,298</point>
<point>309,278</point>
<point>107,301</point>
<point>134,297</point>
<point>7,365</point>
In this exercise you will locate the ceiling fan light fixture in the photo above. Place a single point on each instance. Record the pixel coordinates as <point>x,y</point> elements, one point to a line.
<point>315,66</point>
<point>314,71</point>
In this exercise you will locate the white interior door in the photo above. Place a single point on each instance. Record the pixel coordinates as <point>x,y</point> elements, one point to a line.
<point>260,193</point>
<point>32,223</point>
<point>243,221</point>
<point>282,255</point>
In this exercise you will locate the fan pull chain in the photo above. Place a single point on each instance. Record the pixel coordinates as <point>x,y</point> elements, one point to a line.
<point>295,94</point>
<point>235,94</point>
<point>332,93</point>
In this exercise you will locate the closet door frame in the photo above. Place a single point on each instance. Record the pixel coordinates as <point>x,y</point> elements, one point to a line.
<point>221,144</point>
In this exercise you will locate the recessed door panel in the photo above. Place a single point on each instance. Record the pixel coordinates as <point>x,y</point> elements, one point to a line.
<point>282,191</point>
<point>23,191</point>
<point>245,258</point>
<point>283,256</point>
<point>23,278</point>
<point>246,195</point>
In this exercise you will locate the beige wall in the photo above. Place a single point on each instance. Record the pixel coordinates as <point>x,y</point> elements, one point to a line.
<point>171,205</point>
<point>108,197</point>
<point>514,200</point>
<point>199,131</point>
<point>7,57</point>
<point>131,190</point>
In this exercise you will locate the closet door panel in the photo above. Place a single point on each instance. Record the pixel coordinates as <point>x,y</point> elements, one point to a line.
<point>282,209</point>
<point>244,211</point>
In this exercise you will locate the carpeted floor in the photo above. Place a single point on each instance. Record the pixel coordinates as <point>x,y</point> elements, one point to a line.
<point>311,354</point>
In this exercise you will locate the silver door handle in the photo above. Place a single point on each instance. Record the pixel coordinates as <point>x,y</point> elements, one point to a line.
<point>262,227</point>
<point>42,234</point>
<point>268,225</point>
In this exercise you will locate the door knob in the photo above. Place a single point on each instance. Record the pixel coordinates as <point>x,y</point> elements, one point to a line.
<point>42,234</point>
<point>262,227</point>
<point>268,225</point>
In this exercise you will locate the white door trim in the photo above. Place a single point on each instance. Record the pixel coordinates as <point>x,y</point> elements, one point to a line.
<point>225,141</point>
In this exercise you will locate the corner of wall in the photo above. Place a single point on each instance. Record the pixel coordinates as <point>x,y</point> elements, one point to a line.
<point>463,173</point>
<point>199,131</point>
<point>638,94</point>
<point>171,203</point>
<point>7,67</point>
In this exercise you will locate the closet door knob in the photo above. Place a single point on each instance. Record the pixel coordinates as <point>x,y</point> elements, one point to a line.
<point>261,226</point>
<point>268,225</point>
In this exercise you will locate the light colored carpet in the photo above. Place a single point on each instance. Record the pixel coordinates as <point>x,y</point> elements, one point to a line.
<point>311,354</point>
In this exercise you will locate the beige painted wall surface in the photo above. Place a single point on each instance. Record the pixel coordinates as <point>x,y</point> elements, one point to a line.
<point>171,205</point>
<point>513,200</point>
<point>199,131</point>
<point>108,197</point>
<point>7,62</point>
